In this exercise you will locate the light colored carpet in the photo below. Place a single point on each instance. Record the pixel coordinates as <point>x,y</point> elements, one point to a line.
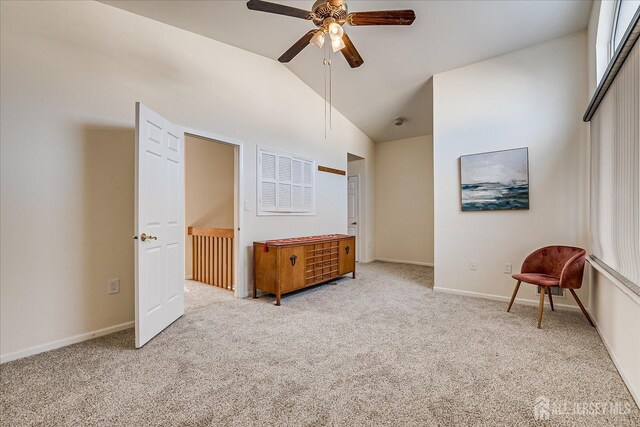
<point>383,349</point>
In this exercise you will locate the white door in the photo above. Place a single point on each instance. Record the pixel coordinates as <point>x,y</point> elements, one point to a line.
<point>159,224</point>
<point>352,210</point>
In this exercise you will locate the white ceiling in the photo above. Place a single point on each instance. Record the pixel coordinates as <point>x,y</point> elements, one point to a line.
<point>395,79</point>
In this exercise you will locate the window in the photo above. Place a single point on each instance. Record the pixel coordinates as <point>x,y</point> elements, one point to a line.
<point>286,184</point>
<point>622,16</point>
<point>615,175</point>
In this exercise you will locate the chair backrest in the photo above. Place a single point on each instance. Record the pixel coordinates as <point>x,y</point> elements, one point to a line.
<point>565,262</point>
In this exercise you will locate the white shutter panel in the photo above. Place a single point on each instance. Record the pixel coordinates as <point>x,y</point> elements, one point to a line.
<point>308,173</point>
<point>308,189</point>
<point>284,197</point>
<point>284,183</point>
<point>297,203</point>
<point>308,199</point>
<point>284,168</point>
<point>267,181</point>
<point>297,198</point>
<point>296,171</point>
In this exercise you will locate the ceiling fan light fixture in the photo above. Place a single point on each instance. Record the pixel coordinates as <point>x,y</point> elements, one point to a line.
<point>335,31</point>
<point>337,44</point>
<point>318,39</point>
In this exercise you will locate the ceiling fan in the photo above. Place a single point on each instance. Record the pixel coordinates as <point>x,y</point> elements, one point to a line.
<point>329,16</point>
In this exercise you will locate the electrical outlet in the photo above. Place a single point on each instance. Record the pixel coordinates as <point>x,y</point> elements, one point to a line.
<point>113,286</point>
<point>506,269</point>
<point>473,265</point>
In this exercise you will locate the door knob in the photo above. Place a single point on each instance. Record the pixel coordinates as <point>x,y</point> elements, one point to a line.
<point>145,236</point>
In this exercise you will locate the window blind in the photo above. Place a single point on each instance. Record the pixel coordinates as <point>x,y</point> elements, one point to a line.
<point>286,183</point>
<point>615,173</point>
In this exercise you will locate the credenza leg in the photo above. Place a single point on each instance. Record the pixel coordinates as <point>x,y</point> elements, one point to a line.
<point>255,292</point>
<point>353,274</point>
<point>278,293</point>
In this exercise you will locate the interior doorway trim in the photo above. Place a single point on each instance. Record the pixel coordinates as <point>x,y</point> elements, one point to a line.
<point>239,290</point>
<point>358,217</point>
<point>359,166</point>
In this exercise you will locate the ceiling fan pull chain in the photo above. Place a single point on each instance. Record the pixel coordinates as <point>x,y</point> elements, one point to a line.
<point>324,69</point>
<point>330,96</point>
<point>327,88</point>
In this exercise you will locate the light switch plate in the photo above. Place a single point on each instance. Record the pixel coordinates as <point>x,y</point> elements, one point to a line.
<point>247,205</point>
<point>506,269</point>
<point>473,265</point>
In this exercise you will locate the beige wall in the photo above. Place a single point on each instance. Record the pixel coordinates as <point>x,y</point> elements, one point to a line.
<point>71,74</point>
<point>532,98</point>
<point>404,200</point>
<point>209,188</point>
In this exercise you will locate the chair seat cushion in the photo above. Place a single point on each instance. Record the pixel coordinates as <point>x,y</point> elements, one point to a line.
<point>538,279</point>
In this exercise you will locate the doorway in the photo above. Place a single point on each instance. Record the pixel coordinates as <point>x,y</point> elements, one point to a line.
<point>159,222</point>
<point>355,176</point>
<point>210,200</point>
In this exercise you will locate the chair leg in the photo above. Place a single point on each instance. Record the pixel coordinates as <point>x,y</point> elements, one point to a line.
<point>550,299</point>
<point>513,297</point>
<point>540,309</point>
<point>582,307</point>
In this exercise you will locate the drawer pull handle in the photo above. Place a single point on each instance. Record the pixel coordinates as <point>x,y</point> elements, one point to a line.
<point>293,259</point>
<point>347,249</point>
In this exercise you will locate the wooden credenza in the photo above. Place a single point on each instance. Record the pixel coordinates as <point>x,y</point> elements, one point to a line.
<point>282,266</point>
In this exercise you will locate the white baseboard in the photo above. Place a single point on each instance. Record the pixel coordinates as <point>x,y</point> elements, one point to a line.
<point>399,261</point>
<point>504,299</point>
<point>64,342</point>
<point>635,393</point>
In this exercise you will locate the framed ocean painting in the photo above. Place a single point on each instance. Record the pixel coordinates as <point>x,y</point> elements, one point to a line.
<point>494,181</point>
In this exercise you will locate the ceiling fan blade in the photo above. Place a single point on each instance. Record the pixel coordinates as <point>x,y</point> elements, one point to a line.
<point>351,53</point>
<point>297,47</point>
<point>280,9</point>
<point>382,17</point>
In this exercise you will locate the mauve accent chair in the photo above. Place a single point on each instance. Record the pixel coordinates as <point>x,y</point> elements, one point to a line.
<point>549,267</point>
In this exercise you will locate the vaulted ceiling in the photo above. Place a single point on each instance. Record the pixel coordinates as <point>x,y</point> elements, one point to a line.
<point>395,79</point>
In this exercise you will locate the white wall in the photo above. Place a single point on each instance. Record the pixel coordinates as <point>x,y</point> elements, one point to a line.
<point>615,312</point>
<point>209,188</point>
<point>404,200</point>
<point>617,316</point>
<point>533,98</point>
<point>71,73</point>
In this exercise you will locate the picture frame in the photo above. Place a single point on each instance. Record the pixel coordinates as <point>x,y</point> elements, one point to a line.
<point>495,180</point>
